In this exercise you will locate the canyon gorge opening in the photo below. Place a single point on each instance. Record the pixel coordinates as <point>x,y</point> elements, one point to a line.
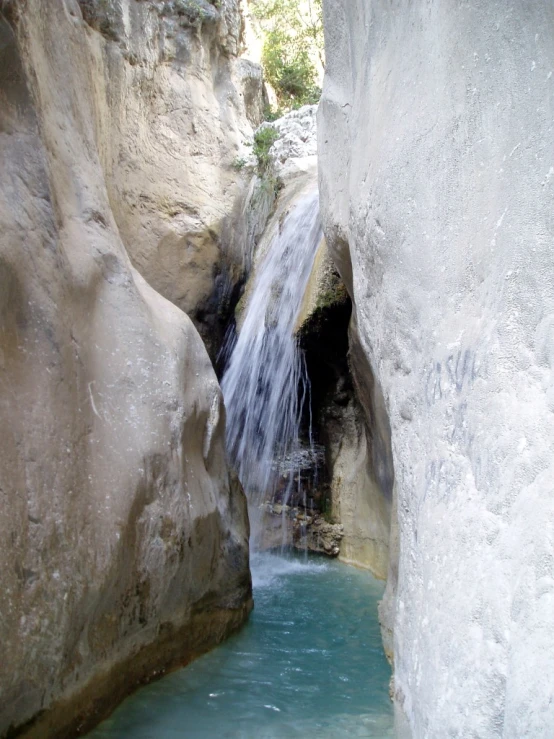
<point>159,160</point>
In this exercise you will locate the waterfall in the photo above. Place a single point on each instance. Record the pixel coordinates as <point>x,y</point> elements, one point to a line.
<point>265,383</point>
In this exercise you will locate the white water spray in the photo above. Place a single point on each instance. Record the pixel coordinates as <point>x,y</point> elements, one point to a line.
<point>265,383</point>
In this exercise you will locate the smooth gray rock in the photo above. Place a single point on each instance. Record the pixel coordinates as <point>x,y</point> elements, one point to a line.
<point>176,109</point>
<point>123,545</point>
<point>437,172</point>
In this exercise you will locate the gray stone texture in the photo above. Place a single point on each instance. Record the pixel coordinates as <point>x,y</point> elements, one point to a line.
<point>436,173</point>
<point>175,109</point>
<point>123,545</point>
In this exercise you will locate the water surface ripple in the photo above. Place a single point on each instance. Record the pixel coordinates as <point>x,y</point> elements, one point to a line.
<point>308,664</point>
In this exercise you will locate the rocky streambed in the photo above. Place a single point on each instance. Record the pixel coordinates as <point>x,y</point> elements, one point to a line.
<point>291,527</point>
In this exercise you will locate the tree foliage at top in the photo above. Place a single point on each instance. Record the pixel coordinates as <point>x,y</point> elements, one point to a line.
<point>293,46</point>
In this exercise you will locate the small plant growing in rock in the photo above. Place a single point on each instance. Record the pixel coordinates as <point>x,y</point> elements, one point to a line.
<point>271,186</point>
<point>272,114</point>
<point>264,138</point>
<point>327,510</point>
<point>238,164</point>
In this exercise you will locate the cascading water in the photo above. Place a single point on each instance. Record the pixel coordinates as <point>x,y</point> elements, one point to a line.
<point>265,383</point>
<point>309,663</point>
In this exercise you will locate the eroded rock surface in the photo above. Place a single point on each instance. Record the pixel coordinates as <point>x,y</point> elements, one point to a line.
<point>355,497</point>
<point>353,453</point>
<point>175,109</point>
<point>345,484</point>
<point>295,151</point>
<point>436,175</point>
<point>286,526</point>
<point>123,547</point>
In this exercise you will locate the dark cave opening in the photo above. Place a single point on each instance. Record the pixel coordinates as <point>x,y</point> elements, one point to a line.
<point>323,339</point>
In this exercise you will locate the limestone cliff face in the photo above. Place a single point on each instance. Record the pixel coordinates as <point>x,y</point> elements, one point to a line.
<point>436,175</point>
<point>123,547</point>
<point>174,108</point>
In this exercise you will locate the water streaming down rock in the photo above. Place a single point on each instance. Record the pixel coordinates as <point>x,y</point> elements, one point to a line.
<point>265,384</point>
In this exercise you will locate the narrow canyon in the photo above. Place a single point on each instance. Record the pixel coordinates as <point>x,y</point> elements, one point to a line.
<point>276,369</point>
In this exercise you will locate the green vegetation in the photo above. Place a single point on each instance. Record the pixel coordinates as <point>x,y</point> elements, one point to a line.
<point>264,138</point>
<point>270,186</point>
<point>293,49</point>
<point>238,163</point>
<point>271,114</point>
<point>332,294</point>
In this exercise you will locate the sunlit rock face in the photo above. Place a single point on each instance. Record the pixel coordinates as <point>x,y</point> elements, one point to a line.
<point>177,112</point>
<point>295,151</point>
<point>436,175</point>
<point>123,546</point>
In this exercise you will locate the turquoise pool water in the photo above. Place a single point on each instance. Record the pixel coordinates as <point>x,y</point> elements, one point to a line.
<point>308,664</point>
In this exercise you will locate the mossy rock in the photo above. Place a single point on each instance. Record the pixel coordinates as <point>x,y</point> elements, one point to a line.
<point>194,13</point>
<point>333,293</point>
<point>325,291</point>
